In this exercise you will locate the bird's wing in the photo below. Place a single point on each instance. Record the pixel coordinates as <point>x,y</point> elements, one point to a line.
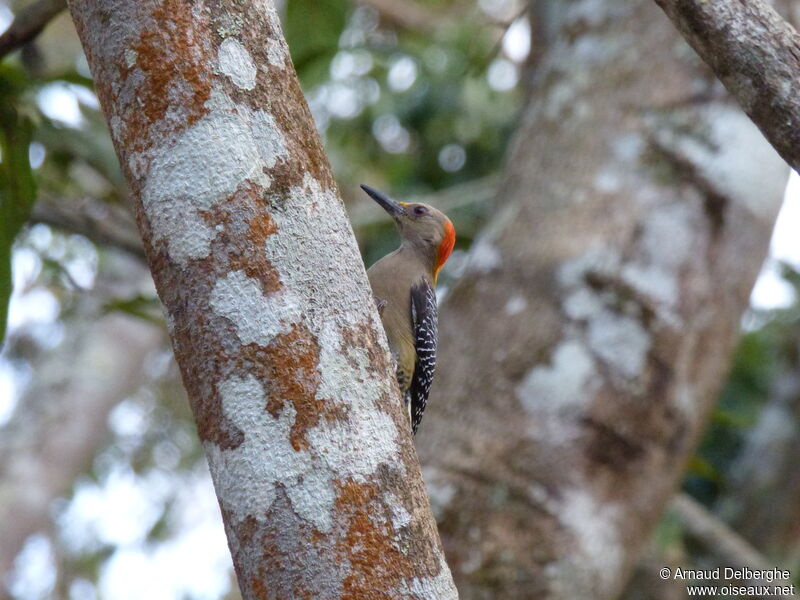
<point>424,319</point>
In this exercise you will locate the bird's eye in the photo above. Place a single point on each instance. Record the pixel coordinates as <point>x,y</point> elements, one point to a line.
<point>420,210</point>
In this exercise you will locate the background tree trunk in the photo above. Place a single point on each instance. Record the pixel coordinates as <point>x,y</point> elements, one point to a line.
<point>635,214</point>
<point>270,313</point>
<point>63,416</point>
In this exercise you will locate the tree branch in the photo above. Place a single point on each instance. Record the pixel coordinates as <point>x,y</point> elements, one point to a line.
<point>405,14</point>
<point>28,24</point>
<point>756,55</point>
<point>100,222</point>
<point>715,536</point>
<point>725,546</point>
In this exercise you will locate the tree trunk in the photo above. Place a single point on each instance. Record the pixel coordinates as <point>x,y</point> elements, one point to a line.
<point>270,313</point>
<point>583,349</point>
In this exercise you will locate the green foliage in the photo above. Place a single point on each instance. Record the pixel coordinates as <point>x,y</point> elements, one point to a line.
<point>448,102</point>
<point>147,308</point>
<point>17,185</point>
<point>668,533</point>
<point>390,132</point>
<point>80,159</point>
<point>312,29</point>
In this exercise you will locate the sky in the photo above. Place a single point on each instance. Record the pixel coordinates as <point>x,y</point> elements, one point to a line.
<point>771,291</point>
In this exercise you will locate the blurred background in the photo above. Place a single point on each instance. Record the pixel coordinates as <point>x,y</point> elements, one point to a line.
<point>104,490</point>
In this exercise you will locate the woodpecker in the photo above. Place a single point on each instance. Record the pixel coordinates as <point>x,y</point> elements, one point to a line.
<point>403,283</point>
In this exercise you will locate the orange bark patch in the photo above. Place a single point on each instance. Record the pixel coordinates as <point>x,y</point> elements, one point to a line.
<point>245,227</point>
<point>285,175</point>
<point>258,587</point>
<point>252,258</point>
<point>261,227</point>
<point>301,593</point>
<point>288,368</point>
<point>247,530</point>
<point>377,564</point>
<point>173,60</point>
<point>294,357</point>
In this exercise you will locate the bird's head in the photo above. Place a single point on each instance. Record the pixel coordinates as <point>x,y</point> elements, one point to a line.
<point>422,228</point>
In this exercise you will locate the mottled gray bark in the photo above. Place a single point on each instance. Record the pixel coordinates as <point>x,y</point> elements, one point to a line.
<point>270,313</point>
<point>583,349</point>
<point>62,419</point>
<point>756,54</point>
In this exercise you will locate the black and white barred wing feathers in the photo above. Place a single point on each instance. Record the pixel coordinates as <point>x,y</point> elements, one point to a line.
<point>424,319</point>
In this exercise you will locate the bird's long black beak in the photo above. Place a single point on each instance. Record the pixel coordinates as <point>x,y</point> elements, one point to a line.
<point>389,205</point>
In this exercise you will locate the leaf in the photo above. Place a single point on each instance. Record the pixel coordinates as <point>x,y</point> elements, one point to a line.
<point>702,468</point>
<point>17,184</point>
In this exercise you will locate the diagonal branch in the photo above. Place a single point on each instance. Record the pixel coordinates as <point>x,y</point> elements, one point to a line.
<point>756,54</point>
<point>405,14</point>
<point>702,525</point>
<point>29,23</point>
<point>102,223</point>
<point>724,545</point>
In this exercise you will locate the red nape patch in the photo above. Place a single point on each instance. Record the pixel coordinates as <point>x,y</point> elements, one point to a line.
<point>445,248</point>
